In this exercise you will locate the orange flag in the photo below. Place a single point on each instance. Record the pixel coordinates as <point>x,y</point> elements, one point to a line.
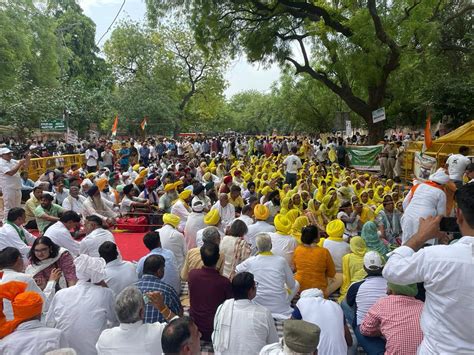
<point>428,142</point>
<point>114,127</point>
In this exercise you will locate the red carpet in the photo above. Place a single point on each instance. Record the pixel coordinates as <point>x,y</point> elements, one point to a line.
<point>131,245</point>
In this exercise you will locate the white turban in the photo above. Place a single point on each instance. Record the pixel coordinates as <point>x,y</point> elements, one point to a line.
<point>90,268</point>
<point>312,292</point>
<point>440,177</point>
<point>86,182</point>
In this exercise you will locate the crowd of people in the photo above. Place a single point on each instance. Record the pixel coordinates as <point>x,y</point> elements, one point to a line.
<point>243,234</point>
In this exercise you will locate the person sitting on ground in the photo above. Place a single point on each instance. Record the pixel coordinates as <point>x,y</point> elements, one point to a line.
<point>131,203</point>
<point>364,294</point>
<point>25,334</point>
<point>207,290</point>
<point>194,223</point>
<point>283,243</point>
<point>276,285</point>
<point>12,233</point>
<point>119,273</point>
<point>133,336</point>
<point>299,337</point>
<point>313,264</point>
<point>246,215</point>
<point>226,211</point>
<point>13,266</point>
<point>328,316</point>
<point>211,219</point>
<point>47,213</point>
<point>96,235</point>
<point>152,241</point>
<point>261,213</point>
<point>30,207</point>
<point>234,248</point>
<point>193,258</point>
<point>172,239</point>
<point>96,205</point>
<point>396,318</point>
<point>370,235</point>
<point>181,208</point>
<point>181,337</point>
<point>353,265</point>
<point>446,271</point>
<point>46,256</point>
<point>238,318</point>
<point>60,192</point>
<point>60,233</point>
<point>84,310</point>
<point>151,280</point>
<point>74,201</point>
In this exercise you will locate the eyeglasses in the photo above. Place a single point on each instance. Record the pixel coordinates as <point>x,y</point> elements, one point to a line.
<point>42,250</point>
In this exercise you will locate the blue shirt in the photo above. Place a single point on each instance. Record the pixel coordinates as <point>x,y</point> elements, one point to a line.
<point>171,276</point>
<point>124,151</point>
<point>150,283</point>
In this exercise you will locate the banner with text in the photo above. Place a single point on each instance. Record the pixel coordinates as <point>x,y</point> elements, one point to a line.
<point>364,157</point>
<point>423,166</point>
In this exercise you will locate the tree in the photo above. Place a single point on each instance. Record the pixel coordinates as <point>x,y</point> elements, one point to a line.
<point>354,48</point>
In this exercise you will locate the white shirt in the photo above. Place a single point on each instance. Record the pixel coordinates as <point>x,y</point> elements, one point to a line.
<point>370,291</point>
<point>60,235</point>
<point>337,251</point>
<point>7,181</point>
<point>82,312</point>
<point>12,275</point>
<point>328,316</point>
<point>91,243</point>
<point>120,274</point>
<point>75,204</point>
<point>447,273</point>
<point>91,157</point>
<point>194,223</point>
<point>253,324</point>
<point>180,210</point>
<point>273,276</point>
<point>226,213</point>
<point>284,245</point>
<point>131,338</point>
<point>292,163</point>
<point>32,337</point>
<point>246,219</point>
<point>226,248</point>
<point>257,227</point>
<point>173,240</point>
<point>457,164</point>
<point>9,237</point>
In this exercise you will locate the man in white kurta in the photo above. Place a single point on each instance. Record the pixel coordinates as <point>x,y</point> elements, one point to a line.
<point>181,209</point>
<point>96,235</point>
<point>172,239</point>
<point>60,233</point>
<point>274,278</point>
<point>426,199</point>
<point>239,318</point>
<point>284,245</point>
<point>75,201</point>
<point>226,211</point>
<point>194,223</point>
<point>12,233</point>
<point>83,311</point>
<point>10,180</point>
<point>261,213</point>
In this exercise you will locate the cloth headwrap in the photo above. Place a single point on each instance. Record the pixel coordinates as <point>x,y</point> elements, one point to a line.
<point>358,246</point>
<point>407,290</point>
<point>212,217</point>
<point>177,183</point>
<point>207,176</point>
<point>335,229</point>
<point>91,192</point>
<point>209,185</point>
<point>172,219</point>
<point>198,189</point>
<point>440,177</point>
<point>150,183</point>
<point>90,268</point>
<point>185,194</point>
<point>312,292</point>
<point>101,183</point>
<point>282,224</point>
<point>86,182</point>
<point>26,305</point>
<point>227,179</point>
<point>261,212</point>
<point>222,326</point>
<point>169,187</point>
<point>372,240</point>
<point>293,214</point>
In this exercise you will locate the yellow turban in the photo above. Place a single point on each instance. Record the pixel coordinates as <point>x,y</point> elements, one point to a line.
<point>335,229</point>
<point>212,217</point>
<point>171,219</point>
<point>143,173</point>
<point>139,180</point>
<point>293,214</point>
<point>177,183</point>
<point>101,183</point>
<point>247,177</point>
<point>185,194</point>
<point>136,167</point>
<point>266,190</point>
<point>206,176</point>
<point>169,187</point>
<point>300,223</point>
<point>213,169</point>
<point>261,212</point>
<point>90,175</point>
<point>282,224</point>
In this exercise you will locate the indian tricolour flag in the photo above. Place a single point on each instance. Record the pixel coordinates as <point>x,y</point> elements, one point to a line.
<point>144,123</point>
<point>114,127</point>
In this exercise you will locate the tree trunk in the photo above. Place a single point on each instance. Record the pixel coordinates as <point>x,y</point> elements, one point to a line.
<point>376,131</point>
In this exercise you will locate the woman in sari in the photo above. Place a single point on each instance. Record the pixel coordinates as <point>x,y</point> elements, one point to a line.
<point>388,221</point>
<point>330,206</point>
<point>315,215</point>
<point>44,256</point>
<point>353,265</point>
<point>234,248</point>
<point>372,240</point>
<point>286,205</point>
<point>321,192</point>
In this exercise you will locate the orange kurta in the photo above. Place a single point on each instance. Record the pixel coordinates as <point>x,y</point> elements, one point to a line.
<point>313,265</point>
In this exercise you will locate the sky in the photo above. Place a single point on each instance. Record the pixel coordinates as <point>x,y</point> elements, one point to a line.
<point>240,75</point>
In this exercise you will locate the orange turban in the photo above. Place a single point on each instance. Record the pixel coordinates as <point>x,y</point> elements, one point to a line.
<point>26,305</point>
<point>100,183</point>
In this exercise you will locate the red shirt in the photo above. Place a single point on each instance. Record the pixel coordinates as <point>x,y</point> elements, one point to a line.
<point>397,318</point>
<point>207,291</point>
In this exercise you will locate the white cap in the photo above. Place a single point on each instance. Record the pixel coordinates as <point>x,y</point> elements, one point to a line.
<point>4,151</point>
<point>197,206</point>
<point>373,260</point>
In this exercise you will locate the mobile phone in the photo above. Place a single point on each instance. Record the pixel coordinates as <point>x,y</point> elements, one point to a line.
<point>449,224</point>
